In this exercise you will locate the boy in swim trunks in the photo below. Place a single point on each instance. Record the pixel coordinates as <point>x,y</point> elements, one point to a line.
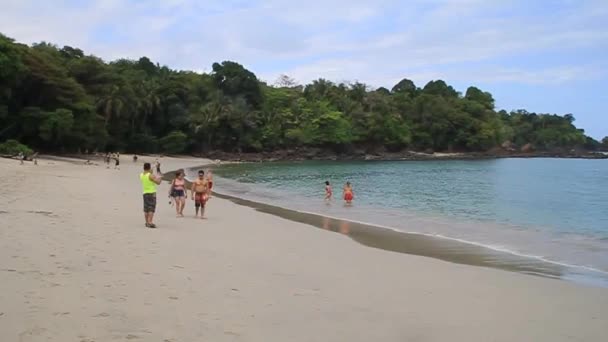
<point>348,193</point>
<point>200,193</point>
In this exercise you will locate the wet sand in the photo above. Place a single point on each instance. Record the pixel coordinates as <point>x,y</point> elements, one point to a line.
<point>445,249</point>
<point>78,265</point>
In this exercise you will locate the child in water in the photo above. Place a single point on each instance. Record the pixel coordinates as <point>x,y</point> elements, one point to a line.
<point>348,193</point>
<point>328,191</point>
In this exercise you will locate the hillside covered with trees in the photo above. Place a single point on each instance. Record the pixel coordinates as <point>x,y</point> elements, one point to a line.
<point>62,100</point>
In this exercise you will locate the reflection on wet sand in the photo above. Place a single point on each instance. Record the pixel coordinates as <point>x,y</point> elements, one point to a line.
<point>343,226</point>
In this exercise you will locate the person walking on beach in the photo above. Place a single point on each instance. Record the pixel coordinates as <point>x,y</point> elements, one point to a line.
<point>117,162</point>
<point>178,192</point>
<point>200,189</point>
<point>148,183</point>
<point>209,183</point>
<point>328,191</point>
<point>348,193</point>
<point>135,158</point>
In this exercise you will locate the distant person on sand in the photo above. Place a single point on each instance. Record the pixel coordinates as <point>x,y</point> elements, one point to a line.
<point>107,160</point>
<point>157,164</point>
<point>21,157</point>
<point>178,192</point>
<point>117,162</point>
<point>328,191</point>
<point>200,189</point>
<point>348,193</point>
<point>135,158</point>
<point>149,182</point>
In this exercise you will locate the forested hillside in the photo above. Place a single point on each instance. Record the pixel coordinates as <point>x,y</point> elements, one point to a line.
<point>61,100</point>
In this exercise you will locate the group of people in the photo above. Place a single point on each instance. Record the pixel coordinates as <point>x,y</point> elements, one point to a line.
<point>200,192</point>
<point>108,158</point>
<point>347,193</point>
<point>23,157</point>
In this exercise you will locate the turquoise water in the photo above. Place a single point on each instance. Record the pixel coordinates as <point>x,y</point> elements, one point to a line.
<point>551,209</point>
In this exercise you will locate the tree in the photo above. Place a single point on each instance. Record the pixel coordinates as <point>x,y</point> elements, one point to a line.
<point>481,97</point>
<point>439,88</point>
<point>56,125</point>
<point>174,142</point>
<point>285,81</point>
<point>405,86</point>
<point>234,80</point>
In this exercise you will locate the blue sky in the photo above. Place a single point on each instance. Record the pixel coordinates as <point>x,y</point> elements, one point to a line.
<point>544,56</point>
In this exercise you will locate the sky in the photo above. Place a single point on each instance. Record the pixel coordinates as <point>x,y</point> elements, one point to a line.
<point>545,56</point>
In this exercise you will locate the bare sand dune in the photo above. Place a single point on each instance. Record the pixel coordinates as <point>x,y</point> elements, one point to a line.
<point>77,264</point>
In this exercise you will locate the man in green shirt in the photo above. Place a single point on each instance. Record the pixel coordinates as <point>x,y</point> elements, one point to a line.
<point>148,183</point>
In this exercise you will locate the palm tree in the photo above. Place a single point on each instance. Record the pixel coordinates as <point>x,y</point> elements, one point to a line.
<point>111,105</point>
<point>205,118</point>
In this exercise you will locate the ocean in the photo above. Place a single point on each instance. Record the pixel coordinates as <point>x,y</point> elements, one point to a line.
<point>549,210</point>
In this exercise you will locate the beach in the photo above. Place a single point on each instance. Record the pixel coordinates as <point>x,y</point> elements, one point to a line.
<point>79,265</point>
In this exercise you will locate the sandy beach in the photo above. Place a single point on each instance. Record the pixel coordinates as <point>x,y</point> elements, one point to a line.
<point>79,265</point>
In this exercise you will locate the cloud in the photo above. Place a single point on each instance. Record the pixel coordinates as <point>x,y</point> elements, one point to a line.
<point>374,42</point>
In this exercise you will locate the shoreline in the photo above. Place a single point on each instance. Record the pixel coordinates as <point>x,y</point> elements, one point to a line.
<point>322,155</point>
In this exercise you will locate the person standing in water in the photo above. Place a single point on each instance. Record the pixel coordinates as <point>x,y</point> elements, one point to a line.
<point>148,183</point>
<point>328,191</point>
<point>178,192</point>
<point>348,193</point>
<point>200,189</point>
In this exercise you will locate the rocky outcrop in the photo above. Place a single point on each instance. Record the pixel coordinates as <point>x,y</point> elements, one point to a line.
<point>299,154</point>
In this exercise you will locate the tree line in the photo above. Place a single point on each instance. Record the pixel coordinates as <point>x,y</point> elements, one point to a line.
<point>61,100</point>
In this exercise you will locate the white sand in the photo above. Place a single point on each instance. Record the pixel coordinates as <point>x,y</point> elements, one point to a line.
<point>79,265</point>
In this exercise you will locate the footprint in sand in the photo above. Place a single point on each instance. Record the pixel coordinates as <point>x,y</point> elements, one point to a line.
<point>174,298</point>
<point>103,314</point>
<point>132,337</point>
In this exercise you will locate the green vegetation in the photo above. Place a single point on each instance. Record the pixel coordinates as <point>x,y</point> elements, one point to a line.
<point>602,146</point>
<point>13,147</point>
<point>59,99</point>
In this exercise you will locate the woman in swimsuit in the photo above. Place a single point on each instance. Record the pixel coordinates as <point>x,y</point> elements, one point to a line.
<point>178,192</point>
<point>328,191</point>
<point>348,193</point>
